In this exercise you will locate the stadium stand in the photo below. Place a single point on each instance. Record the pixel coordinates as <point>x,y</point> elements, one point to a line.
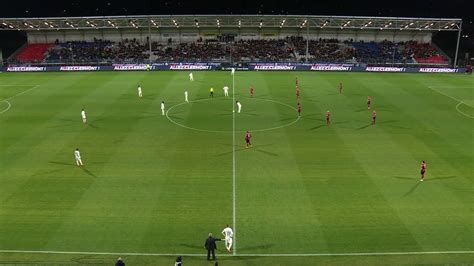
<point>283,50</point>
<point>33,53</point>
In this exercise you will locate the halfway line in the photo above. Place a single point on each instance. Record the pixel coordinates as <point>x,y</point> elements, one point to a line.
<point>234,252</point>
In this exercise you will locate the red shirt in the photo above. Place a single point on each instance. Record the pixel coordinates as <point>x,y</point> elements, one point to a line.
<point>248,136</point>
<point>368,99</point>
<point>299,108</point>
<point>423,166</point>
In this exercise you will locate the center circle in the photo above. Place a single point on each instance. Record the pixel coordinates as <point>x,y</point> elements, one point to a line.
<point>215,115</point>
<point>7,104</point>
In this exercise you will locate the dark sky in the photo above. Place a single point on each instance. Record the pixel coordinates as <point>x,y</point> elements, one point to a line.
<point>423,8</point>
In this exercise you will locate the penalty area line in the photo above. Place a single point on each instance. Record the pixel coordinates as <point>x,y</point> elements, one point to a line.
<point>408,253</point>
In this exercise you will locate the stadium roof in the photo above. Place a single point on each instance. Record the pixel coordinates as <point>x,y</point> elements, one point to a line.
<point>232,21</point>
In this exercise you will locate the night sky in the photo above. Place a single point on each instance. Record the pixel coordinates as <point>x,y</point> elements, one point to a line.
<point>412,8</point>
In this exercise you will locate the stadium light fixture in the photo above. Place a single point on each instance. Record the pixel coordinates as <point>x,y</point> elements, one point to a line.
<point>325,24</point>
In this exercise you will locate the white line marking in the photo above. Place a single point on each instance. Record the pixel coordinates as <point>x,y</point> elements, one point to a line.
<point>4,85</point>
<point>18,94</point>
<point>242,255</point>
<point>234,250</point>
<point>461,112</point>
<point>456,99</point>
<point>21,93</point>
<point>8,107</point>
<point>228,131</point>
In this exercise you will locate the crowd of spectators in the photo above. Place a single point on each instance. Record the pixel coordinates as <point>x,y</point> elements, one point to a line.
<point>289,49</point>
<point>372,52</point>
<point>422,51</point>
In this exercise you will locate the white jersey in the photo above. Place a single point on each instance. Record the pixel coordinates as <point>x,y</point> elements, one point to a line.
<point>186,94</point>
<point>162,106</point>
<point>190,75</point>
<point>239,105</point>
<point>139,89</point>
<point>77,154</point>
<point>226,89</point>
<point>83,114</point>
<point>228,233</point>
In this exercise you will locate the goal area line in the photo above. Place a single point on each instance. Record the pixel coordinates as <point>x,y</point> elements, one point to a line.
<point>243,254</point>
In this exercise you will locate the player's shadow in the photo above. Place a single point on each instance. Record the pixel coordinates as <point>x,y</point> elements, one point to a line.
<point>61,125</point>
<point>388,122</point>
<point>88,172</point>
<point>49,172</point>
<point>61,163</point>
<point>149,96</point>
<point>287,119</point>
<point>93,126</point>
<point>224,114</point>
<point>409,192</point>
<point>362,110</point>
<point>362,127</point>
<point>266,152</point>
<point>147,116</point>
<point>405,178</point>
<point>400,127</point>
<point>439,178</point>
<point>99,119</point>
<point>68,123</point>
<point>317,127</point>
<point>340,122</point>
<point>253,114</point>
<point>192,246</point>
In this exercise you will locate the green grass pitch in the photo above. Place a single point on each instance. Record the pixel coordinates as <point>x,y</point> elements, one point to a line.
<point>156,184</point>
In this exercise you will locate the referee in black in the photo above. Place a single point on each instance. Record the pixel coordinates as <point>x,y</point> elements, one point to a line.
<point>211,246</point>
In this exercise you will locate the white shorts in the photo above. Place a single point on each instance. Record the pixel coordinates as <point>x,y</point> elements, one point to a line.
<point>228,241</point>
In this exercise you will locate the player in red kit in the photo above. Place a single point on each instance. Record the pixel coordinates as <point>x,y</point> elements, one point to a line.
<point>374,117</point>
<point>251,91</point>
<point>297,92</point>
<point>299,109</point>
<point>248,136</point>
<point>340,88</point>
<point>328,118</point>
<point>368,102</point>
<point>423,170</point>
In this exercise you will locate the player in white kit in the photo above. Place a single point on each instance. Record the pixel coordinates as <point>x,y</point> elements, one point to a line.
<point>239,106</point>
<point>140,91</point>
<point>84,118</point>
<point>186,96</point>
<point>191,78</point>
<point>226,91</point>
<point>228,234</point>
<point>77,155</point>
<point>162,108</point>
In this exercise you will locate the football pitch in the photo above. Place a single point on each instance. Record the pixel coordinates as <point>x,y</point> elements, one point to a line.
<point>154,186</point>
